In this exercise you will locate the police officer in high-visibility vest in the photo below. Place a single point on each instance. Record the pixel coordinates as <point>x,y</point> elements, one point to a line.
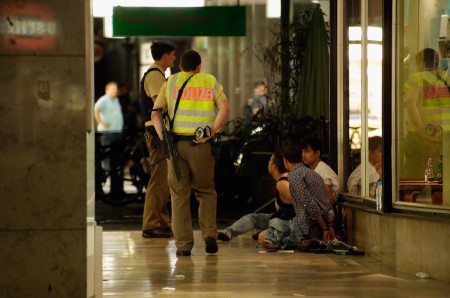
<point>202,105</point>
<point>426,100</point>
<point>155,219</point>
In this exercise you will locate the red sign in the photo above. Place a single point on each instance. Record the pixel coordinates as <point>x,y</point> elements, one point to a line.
<point>27,26</point>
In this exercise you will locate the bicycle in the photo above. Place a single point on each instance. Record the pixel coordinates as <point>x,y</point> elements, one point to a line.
<point>122,168</point>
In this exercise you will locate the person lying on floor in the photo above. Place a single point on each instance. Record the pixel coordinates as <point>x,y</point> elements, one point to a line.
<point>260,221</point>
<point>314,214</point>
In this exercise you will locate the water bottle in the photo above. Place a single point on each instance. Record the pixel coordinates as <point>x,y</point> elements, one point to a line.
<point>440,170</point>
<point>429,172</point>
<point>379,194</point>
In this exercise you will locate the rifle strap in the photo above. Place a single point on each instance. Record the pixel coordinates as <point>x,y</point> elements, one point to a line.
<point>180,92</point>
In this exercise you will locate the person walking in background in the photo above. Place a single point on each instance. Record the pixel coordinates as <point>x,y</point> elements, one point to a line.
<point>259,99</point>
<point>107,110</point>
<point>254,109</point>
<point>203,107</point>
<point>155,219</point>
<point>109,118</point>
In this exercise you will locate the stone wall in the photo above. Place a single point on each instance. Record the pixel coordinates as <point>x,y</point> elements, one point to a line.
<point>406,244</point>
<point>43,120</point>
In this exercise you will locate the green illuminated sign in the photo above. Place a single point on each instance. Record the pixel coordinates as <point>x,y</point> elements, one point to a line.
<point>180,21</point>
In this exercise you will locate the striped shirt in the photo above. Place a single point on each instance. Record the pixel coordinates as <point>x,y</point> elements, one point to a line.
<point>309,196</point>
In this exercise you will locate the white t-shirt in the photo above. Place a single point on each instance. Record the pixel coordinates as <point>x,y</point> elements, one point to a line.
<point>329,176</point>
<point>354,181</point>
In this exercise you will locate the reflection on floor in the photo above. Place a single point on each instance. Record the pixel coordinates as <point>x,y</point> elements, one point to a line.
<point>138,267</point>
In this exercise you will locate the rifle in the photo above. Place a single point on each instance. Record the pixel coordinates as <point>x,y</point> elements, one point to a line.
<point>168,149</point>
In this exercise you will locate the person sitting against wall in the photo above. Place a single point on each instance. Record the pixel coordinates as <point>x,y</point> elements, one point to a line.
<point>312,149</point>
<point>314,214</point>
<point>373,169</point>
<point>260,221</point>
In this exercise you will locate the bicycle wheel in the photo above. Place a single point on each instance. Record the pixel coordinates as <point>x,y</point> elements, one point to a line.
<point>120,180</point>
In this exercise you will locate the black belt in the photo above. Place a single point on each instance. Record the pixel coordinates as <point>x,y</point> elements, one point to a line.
<point>178,138</point>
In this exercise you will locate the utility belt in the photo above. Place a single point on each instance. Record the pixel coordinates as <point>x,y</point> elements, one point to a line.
<point>183,138</point>
<point>214,141</point>
<point>157,144</point>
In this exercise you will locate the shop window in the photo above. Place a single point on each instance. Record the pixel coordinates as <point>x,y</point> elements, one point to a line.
<point>423,104</point>
<point>362,98</point>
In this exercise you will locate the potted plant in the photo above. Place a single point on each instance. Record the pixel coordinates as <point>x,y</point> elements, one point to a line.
<point>286,116</point>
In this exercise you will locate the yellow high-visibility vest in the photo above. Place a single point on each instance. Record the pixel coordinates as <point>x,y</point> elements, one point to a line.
<point>197,106</point>
<point>434,97</point>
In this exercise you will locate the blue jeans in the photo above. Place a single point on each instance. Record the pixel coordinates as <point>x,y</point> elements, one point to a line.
<point>247,223</point>
<point>284,233</point>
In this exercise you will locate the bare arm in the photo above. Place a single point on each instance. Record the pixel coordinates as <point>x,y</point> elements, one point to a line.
<point>283,190</point>
<point>327,229</point>
<point>156,120</point>
<point>330,195</point>
<point>156,115</point>
<point>321,222</point>
<point>98,118</point>
<point>222,115</point>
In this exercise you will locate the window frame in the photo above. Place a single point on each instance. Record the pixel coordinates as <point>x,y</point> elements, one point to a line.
<point>390,85</point>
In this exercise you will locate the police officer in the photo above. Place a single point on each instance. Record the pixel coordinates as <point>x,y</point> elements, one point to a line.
<point>426,99</point>
<point>155,220</point>
<point>202,106</point>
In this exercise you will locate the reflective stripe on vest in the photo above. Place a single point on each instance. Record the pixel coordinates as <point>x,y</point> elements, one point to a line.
<point>197,103</point>
<point>434,103</point>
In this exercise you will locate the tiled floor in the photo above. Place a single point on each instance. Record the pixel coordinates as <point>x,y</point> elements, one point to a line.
<point>138,267</point>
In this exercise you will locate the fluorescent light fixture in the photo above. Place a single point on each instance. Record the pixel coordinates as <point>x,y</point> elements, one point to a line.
<point>102,8</point>
<point>373,33</point>
<point>107,27</point>
<point>273,9</point>
<point>354,33</point>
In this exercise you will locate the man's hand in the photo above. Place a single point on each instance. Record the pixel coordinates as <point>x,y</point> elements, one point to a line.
<point>202,140</point>
<point>328,235</point>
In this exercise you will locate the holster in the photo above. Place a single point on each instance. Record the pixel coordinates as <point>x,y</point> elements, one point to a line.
<point>155,142</point>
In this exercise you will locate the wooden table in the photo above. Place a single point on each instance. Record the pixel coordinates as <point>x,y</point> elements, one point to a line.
<point>410,190</point>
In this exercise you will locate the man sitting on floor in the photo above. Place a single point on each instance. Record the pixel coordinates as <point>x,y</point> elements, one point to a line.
<point>314,214</point>
<point>260,221</point>
<point>312,157</point>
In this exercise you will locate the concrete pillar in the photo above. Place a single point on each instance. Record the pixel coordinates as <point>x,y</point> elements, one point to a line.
<point>44,115</point>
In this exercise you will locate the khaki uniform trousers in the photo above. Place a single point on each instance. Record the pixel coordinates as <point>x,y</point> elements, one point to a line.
<point>197,172</point>
<point>156,213</point>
